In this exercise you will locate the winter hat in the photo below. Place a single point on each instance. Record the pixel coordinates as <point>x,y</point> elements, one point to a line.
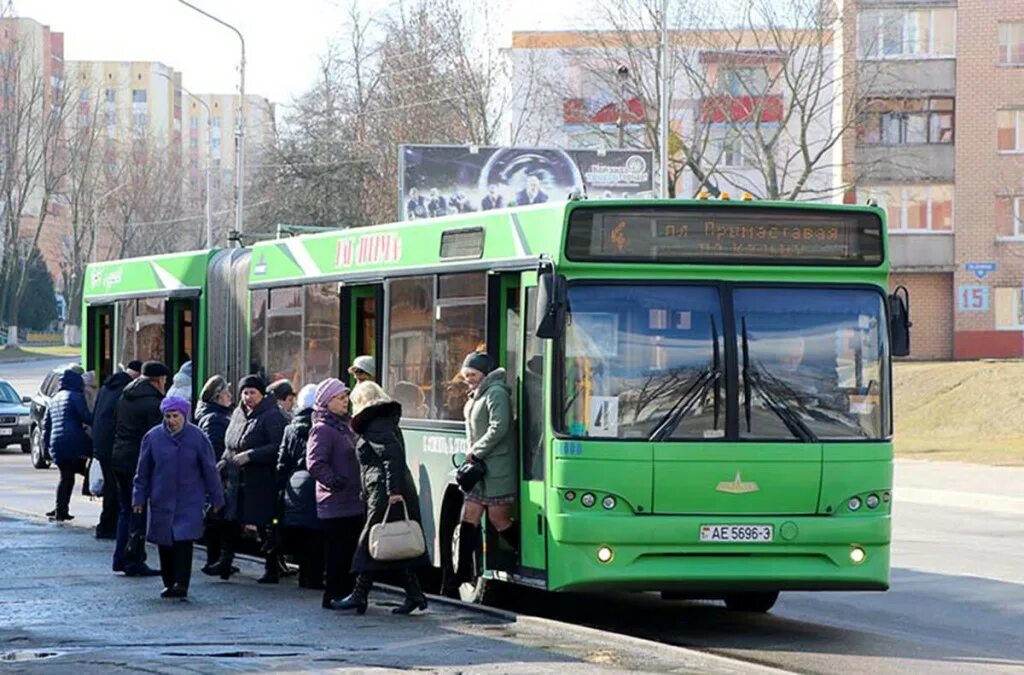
<point>135,365</point>
<point>213,388</point>
<point>252,382</point>
<point>365,364</point>
<point>327,390</point>
<point>154,369</point>
<point>306,398</point>
<point>281,389</point>
<point>186,369</point>
<point>366,394</point>
<point>478,361</point>
<point>176,403</point>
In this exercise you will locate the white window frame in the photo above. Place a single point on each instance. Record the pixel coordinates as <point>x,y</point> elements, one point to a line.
<point>1020,28</point>
<point>1018,131</point>
<point>905,53</point>
<point>1018,307</point>
<point>901,228</point>
<point>1017,213</point>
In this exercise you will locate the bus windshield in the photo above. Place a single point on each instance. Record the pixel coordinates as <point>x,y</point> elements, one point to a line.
<point>649,362</point>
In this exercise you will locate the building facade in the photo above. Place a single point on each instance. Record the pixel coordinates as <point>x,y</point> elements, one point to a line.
<point>940,145</point>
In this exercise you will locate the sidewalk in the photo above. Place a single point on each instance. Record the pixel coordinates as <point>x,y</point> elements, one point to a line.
<point>61,609</point>
<point>953,484</point>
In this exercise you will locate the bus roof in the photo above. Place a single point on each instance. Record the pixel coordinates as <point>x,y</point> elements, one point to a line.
<point>501,239</point>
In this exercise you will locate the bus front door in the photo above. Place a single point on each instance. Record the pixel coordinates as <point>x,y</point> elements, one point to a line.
<point>100,355</point>
<point>361,328</point>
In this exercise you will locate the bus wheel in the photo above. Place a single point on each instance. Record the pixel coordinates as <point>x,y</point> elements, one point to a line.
<point>751,602</point>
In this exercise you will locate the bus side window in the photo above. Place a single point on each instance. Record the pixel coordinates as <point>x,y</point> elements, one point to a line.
<point>532,405</point>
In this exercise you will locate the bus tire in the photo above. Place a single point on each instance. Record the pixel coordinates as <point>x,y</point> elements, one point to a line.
<point>751,602</point>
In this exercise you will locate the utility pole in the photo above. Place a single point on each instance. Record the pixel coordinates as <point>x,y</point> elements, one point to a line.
<point>239,122</point>
<point>663,114</point>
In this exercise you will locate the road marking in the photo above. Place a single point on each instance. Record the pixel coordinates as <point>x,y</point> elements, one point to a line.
<point>965,500</point>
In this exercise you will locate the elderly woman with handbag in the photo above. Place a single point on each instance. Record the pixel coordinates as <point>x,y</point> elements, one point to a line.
<point>176,475</point>
<point>492,461</point>
<point>390,494</point>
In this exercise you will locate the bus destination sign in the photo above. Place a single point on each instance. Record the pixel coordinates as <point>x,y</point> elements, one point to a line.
<point>718,234</point>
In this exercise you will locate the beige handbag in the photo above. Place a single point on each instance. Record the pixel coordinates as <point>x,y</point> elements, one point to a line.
<point>400,540</point>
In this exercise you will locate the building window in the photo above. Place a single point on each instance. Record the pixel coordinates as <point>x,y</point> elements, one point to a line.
<point>912,33</point>
<point>138,95</point>
<point>742,81</point>
<point>110,95</point>
<point>1010,130</point>
<point>1011,44</point>
<point>1010,216</point>
<point>901,122</point>
<point>216,123</point>
<point>728,150</point>
<point>1009,307</point>
<point>193,122</point>
<point>916,208</point>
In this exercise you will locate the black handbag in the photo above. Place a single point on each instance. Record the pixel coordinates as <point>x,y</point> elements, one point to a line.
<point>135,550</point>
<point>470,473</point>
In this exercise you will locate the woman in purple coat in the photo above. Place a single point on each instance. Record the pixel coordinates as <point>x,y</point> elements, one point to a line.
<point>331,461</point>
<point>176,474</point>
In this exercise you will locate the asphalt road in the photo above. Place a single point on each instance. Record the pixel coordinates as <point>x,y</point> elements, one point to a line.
<point>956,604</point>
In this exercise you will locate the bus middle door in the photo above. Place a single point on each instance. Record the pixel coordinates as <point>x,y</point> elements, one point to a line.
<point>362,330</point>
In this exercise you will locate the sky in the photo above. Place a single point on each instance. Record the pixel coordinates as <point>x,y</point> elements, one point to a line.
<point>283,38</point>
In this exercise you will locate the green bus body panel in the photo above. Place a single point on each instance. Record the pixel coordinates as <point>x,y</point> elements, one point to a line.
<point>135,276</point>
<point>778,478</point>
<point>508,235</point>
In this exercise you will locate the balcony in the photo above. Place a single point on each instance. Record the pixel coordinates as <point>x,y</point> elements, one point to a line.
<point>908,163</point>
<point>921,252</point>
<point>731,109</point>
<point>907,77</point>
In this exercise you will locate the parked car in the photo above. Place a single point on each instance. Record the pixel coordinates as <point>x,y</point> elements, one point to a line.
<point>37,412</point>
<point>14,418</point>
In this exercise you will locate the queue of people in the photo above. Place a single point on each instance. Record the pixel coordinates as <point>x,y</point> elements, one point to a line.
<point>311,477</point>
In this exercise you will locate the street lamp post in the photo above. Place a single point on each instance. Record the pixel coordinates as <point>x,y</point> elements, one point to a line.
<point>240,123</point>
<point>663,77</point>
<point>209,157</point>
<point>622,74</point>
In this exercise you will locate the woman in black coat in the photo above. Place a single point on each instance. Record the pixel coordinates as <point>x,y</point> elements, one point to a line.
<point>251,443</point>
<point>303,532</point>
<point>386,480</point>
<point>213,414</point>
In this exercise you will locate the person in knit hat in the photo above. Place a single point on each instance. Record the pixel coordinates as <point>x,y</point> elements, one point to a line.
<point>331,461</point>
<point>250,460</point>
<point>176,477</point>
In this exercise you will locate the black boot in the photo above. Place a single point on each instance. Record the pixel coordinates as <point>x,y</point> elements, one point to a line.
<point>510,535</point>
<point>469,545</point>
<point>271,570</point>
<point>414,598</point>
<point>357,599</point>
<point>224,567</point>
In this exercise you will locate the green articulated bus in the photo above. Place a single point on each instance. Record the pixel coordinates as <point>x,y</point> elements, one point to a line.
<point>702,389</point>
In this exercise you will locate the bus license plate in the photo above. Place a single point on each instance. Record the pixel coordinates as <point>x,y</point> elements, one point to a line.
<point>739,533</point>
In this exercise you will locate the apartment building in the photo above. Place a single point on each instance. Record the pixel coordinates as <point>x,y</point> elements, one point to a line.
<point>139,99</point>
<point>724,83</point>
<point>940,145</point>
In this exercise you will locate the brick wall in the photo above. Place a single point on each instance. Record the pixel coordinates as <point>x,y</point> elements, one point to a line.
<point>931,311</point>
<point>983,87</point>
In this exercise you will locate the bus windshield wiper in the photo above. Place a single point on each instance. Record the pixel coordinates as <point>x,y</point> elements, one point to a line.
<point>769,392</point>
<point>693,394</point>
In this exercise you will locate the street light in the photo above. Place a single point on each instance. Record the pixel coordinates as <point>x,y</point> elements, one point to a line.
<point>240,131</point>
<point>209,154</point>
<point>622,74</point>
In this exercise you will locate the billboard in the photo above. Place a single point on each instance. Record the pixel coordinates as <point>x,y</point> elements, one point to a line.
<point>437,180</point>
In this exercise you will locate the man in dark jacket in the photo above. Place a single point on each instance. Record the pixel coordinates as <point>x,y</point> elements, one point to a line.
<point>137,411</point>
<point>64,434</point>
<point>302,530</point>
<point>103,444</point>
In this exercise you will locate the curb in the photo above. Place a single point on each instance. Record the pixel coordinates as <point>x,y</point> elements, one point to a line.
<point>586,634</point>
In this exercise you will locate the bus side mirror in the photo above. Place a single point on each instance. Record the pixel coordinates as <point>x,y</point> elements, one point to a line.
<point>552,303</point>
<point>899,321</point>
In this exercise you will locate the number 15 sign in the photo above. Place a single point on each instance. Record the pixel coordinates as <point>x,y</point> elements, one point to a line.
<point>972,298</point>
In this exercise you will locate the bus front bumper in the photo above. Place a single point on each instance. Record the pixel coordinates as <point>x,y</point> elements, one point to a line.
<point>664,553</point>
